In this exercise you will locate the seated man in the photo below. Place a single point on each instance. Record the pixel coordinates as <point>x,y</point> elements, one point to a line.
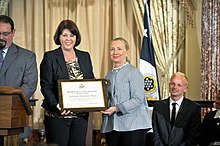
<point>210,130</point>
<point>176,120</point>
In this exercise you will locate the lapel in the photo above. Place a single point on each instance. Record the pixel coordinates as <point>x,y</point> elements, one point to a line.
<point>80,58</point>
<point>180,118</point>
<point>167,114</point>
<point>9,58</point>
<point>112,83</point>
<point>182,111</point>
<point>61,61</point>
<point>82,62</point>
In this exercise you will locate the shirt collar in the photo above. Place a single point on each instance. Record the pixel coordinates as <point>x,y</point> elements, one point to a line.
<point>217,115</point>
<point>118,68</point>
<point>5,49</point>
<point>5,52</point>
<point>178,102</point>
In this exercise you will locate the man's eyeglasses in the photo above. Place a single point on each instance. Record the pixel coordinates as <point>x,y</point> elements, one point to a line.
<point>5,33</point>
<point>178,85</point>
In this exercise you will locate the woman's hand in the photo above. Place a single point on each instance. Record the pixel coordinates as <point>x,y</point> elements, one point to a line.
<point>58,107</point>
<point>110,110</point>
<point>64,112</point>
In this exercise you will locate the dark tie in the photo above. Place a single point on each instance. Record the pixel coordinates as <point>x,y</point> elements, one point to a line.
<point>1,58</point>
<point>173,114</point>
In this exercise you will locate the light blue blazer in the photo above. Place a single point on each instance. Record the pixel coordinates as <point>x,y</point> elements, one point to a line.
<point>126,90</point>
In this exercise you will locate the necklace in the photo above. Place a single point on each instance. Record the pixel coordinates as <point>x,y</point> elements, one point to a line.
<point>69,58</point>
<point>118,68</point>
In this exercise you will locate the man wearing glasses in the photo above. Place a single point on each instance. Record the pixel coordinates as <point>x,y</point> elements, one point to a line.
<point>17,65</point>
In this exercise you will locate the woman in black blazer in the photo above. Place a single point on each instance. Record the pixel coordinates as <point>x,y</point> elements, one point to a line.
<point>64,128</point>
<point>210,130</point>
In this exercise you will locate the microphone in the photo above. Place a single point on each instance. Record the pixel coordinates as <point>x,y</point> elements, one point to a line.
<point>2,44</point>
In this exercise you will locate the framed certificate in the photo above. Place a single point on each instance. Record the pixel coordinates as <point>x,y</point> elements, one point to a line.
<point>82,95</point>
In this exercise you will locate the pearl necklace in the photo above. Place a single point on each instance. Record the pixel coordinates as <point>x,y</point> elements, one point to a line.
<point>118,68</point>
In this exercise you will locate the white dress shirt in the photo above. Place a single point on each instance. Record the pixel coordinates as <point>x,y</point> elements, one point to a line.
<point>178,103</point>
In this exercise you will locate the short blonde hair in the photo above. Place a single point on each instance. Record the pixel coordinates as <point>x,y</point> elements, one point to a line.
<point>180,74</point>
<point>123,40</point>
<point>126,44</point>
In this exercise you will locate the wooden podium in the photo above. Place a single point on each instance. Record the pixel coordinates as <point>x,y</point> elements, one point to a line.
<point>14,111</point>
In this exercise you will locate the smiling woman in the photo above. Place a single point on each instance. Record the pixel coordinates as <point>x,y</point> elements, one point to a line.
<point>127,119</point>
<point>119,52</point>
<point>64,127</point>
<point>99,21</point>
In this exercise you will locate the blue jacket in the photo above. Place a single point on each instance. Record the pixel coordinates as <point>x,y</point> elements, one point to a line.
<point>126,90</point>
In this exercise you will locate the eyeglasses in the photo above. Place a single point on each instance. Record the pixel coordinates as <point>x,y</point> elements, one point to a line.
<point>5,33</point>
<point>174,84</point>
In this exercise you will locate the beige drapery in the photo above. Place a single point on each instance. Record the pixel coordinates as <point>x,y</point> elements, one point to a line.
<point>168,33</point>
<point>168,19</point>
<point>210,50</point>
<point>4,6</point>
<point>99,21</point>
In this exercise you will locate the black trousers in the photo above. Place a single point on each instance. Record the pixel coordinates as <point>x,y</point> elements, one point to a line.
<point>1,140</point>
<point>128,138</point>
<point>66,131</point>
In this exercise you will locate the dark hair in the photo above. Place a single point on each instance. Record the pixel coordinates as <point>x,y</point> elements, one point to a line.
<point>72,27</point>
<point>7,19</point>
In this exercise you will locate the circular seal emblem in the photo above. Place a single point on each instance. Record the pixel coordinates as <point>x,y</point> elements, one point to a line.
<point>150,84</point>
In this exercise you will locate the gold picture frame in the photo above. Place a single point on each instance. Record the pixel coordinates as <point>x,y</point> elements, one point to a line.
<point>85,95</point>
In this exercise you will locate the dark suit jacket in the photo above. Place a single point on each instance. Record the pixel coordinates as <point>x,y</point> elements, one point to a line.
<point>210,130</point>
<point>20,69</point>
<point>53,68</point>
<point>185,131</point>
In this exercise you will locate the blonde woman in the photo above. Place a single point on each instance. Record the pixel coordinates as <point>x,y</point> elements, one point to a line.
<point>127,120</point>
